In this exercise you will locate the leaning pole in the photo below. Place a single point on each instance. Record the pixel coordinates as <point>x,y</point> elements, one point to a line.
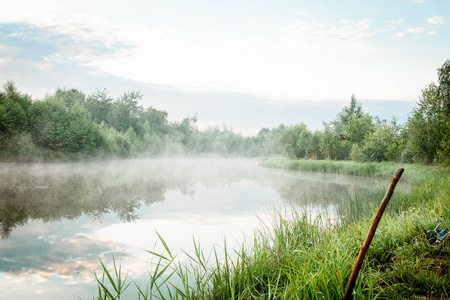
<point>373,228</point>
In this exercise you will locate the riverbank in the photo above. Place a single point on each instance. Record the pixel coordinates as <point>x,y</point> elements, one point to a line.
<point>369,169</point>
<point>299,258</point>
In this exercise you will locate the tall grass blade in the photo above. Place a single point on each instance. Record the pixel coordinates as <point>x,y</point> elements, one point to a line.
<point>164,244</point>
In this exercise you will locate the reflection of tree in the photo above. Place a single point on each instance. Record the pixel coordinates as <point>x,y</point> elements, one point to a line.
<point>52,198</point>
<point>52,192</point>
<point>11,215</point>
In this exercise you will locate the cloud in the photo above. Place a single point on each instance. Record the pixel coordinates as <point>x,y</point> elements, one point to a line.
<point>398,35</point>
<point>284,63</point>
<point>52,43</point>
<point>435,20</point>
<point>317,34</point>
<point>416,30</point>
<point>396,21</point>
<point>211,61</point>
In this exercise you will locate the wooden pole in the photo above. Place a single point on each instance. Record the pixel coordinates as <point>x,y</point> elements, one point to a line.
<point>370,234</point>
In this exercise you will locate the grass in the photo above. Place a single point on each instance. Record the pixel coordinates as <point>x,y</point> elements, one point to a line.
<point>295,257</point>
<point>372,169</point>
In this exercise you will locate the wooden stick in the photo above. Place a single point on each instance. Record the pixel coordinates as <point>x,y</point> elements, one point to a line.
<point>370,234</point>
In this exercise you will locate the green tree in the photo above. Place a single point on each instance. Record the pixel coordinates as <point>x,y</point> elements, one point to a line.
<point>444,91</point>
<point>314,144</point>
<point>99,104</point>
<point>185,129</point>
<point>126,112</point>
<point>357,127</point>
<point>11,93</point>
<point>70,97</point>
<point>303,143</point>
<point>444,86</point>
<point>383,144</point>
<point>267,142</point>
<point>426,125</point>
<point>289,140</point>
<point>13,113</point>
<point>57,127</point>
<point>344,130</point>
<point>156,120</point>
<point>347,113</point>
<point>328,142</point>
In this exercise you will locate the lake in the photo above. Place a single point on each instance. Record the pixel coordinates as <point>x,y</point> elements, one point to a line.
<point>58,219</point>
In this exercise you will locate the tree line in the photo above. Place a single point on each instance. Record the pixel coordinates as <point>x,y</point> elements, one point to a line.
<point>72,125</point>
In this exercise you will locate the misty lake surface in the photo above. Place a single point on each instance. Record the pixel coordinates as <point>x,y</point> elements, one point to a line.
<point>58,219</point>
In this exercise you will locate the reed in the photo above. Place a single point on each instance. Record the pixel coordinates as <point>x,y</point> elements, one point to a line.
<point>372,169</point>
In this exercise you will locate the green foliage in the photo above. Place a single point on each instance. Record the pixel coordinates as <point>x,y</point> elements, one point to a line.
<point>99,105</point>
<point>13,120</point>
<point>444,149</point>
<point>11,93</point>
<point>350,127</point>
<point>219,140</point>
<point>125,113</point>
<point>304,142</point>
<point>355,108</point>
<point>13,113</point>
<point>185,129</point>
<point>444,86</point>
<point>71,97</point>
<point>427,129</point>
<point>113,141</point>
<point>56,127</point>
<point>289,140</point>
<point>383,144</point>
<point>155,121</point>
<point>70,122</point>
<point>329,142</point>
<point>358,127</point>
<point>426,125</point>
<point>267,142</point>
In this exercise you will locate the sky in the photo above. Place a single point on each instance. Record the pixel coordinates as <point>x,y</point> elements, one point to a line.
<point>248,64</point>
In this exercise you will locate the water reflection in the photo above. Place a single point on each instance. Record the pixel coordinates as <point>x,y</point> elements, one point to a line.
<point>57,219</point>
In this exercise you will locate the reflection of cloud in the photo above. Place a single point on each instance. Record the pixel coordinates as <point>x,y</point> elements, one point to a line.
<point>74,271</point>
<point>73,259</point>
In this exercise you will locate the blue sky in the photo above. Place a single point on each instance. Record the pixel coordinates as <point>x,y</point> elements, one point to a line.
<point>248,64</point>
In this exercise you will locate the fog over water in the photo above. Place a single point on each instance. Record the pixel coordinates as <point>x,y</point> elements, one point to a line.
<point>57,219</point>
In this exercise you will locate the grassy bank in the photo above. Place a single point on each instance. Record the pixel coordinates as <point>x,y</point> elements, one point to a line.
<point>299,258</point>
<point>383,169</point>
